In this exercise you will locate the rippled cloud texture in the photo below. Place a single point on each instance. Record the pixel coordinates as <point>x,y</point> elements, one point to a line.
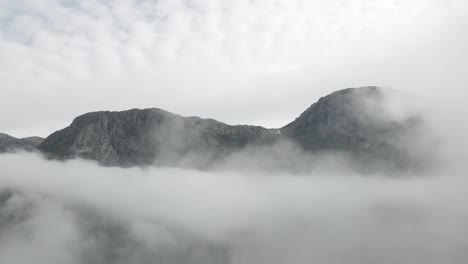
<point>210,58</point>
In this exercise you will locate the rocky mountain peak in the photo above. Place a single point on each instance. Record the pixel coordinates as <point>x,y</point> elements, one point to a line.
<point>356,121</point>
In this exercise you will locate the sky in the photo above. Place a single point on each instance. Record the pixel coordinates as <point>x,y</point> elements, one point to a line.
<point>259,62</point>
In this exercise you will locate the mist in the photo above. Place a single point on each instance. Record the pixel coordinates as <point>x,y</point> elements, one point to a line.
<point>237,212</point>
<point>240,62</point>
<point>81,213</point>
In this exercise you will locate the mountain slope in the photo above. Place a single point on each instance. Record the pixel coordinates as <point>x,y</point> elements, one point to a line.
<point>356,121</point>
<point>12,144</point>
<point>139,136</point>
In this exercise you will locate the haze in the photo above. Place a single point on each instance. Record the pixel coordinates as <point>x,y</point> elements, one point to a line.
<point>240,62</point>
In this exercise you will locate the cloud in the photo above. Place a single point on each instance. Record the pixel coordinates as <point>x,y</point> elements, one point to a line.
<point>257,62</point>
<point>212,58</point>
<point>84,213</point>
<point>249,209</point>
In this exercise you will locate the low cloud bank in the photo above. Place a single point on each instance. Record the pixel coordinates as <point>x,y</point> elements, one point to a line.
<point>78,212</point>
<point>247,210</point>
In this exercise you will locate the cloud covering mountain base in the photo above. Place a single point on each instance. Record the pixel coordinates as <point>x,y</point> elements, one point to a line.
<point>79,212</point>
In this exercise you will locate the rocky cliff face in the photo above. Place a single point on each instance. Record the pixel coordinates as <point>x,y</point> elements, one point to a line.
<point>12,144</point>
<point>138,137</point>
<point>355,121</point>
<point>351,121</point>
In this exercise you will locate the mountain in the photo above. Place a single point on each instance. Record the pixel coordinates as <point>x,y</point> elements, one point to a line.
<point>139,136</point>
<point>351,121</point>
<point>12,144</point>
<point>356,121</point>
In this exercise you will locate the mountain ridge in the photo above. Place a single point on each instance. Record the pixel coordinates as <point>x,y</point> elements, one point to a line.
<point>11,144</point>
<point>342,121</point>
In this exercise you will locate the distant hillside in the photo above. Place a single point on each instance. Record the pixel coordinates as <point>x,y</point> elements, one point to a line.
<point>12,144</point>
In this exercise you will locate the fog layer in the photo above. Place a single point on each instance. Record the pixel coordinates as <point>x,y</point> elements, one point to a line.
<point>77,212</point>
<point>247,210</point>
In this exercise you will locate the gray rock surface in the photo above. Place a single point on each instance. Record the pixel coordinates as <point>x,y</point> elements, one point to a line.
<point>355,121</point>
<point>147,136</point>
<point>12,144</point>
<point>351,121</point>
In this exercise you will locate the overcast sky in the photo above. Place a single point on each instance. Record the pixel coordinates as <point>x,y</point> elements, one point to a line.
<point>256,62</point>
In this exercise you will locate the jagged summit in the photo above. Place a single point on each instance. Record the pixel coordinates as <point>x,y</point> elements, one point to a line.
<point>350,121</point>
